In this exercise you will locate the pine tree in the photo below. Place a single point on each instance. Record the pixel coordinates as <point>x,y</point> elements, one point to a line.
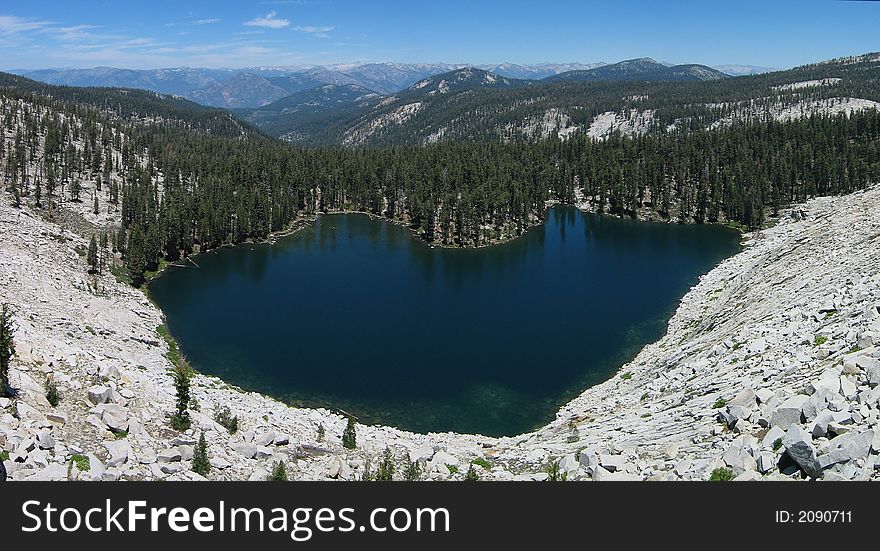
<point>92,256</point>
<point>385,471</point>
<point>7,348</point>
<point>349,439</point>
<point>135,261</point>
<point>119,240</point>
<point>181,419</point>
<point>75,188</point>
<point>102,251</point>
<point>201,464</point>
<point>413,470</point>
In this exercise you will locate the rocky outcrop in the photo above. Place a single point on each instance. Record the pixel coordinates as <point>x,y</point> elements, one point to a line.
<point>770,368</point>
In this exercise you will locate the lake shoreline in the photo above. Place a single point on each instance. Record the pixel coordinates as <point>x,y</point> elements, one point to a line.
<point>352,256</point>
<point>745,330</point>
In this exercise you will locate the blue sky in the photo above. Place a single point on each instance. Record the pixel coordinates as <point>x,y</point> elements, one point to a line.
<point>161,33</point>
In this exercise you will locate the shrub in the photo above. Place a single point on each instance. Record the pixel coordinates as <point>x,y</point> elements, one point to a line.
<point>453,469</point>
<point>279,473</point>
<point>819,340</point>
<point>554,474</point>
<point>321,432</point>
<point>225,418</point>
<point>471,474</point>
<point>626,376</point>
<point>721,474</point>
<point>173,353</point>
<point>482,463</point>
<point>349,438</point>
<point>719,403</point>
<point>52,395</point>
<point>81,461</point>
<point>201,464</point>
<point>777,444</point>
<point>4,456</point>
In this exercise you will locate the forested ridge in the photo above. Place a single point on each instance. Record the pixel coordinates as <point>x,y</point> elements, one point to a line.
<point>186,178</point>
<point>478,109</point>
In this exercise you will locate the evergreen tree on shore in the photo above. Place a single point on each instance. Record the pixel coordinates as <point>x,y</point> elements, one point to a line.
<point>135,256</point>
<point>201,465</point>
<point>349,438</point>
<point>7,348</point>
<point>181,419</point>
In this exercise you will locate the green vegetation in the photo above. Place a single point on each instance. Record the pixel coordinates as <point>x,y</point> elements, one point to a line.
<point>554,474</point>
<point>52,394</point>
<point>136,256</point>
<point>4,455</point>
<point>349,438</point>
<point>173,353</point>
<point>412,471</point>
<point>719,403</point>
<point>92,256</point>
<point>777,444</point>
<point>385,470</point>
<point>721,474</point>
<point>482,463</point>
<point>279,473</point>
<point>453,469</point>
<point>181,419</point>
<point>226,183</point>
<point>321,432</point>
<point>471,474</point>
<point>81,461</point>
<point>626,376</point>
<point>7,348</point>
<point>225,418</point>
<point>819,340</point>
<point>200,463</point>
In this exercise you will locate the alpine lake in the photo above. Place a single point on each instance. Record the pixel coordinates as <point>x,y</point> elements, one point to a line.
<point>354,313</point>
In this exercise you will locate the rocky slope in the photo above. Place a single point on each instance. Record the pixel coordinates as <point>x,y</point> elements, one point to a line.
<point>769,368</point>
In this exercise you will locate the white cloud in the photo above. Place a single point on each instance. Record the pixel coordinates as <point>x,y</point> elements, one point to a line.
<point>11,24</point>
<point>269,21</point>
<point>206,21</point>
<point>313,29</point>
<point>318,31</point>
<point>74,32</point>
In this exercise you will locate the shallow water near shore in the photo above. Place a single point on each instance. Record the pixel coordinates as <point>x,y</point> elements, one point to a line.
<point>356,314</point>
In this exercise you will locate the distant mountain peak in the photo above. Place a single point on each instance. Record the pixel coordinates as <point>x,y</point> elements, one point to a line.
<point>642,68</point>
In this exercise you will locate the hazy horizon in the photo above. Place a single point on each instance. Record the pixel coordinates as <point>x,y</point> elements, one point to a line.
<point>277,33</point>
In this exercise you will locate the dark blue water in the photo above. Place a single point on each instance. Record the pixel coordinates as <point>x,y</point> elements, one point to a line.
<point>356,314</point>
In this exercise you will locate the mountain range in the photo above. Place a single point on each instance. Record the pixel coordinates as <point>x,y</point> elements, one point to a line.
<point>633,97</point>
<point>258,86</point>
<point>383,104</point>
